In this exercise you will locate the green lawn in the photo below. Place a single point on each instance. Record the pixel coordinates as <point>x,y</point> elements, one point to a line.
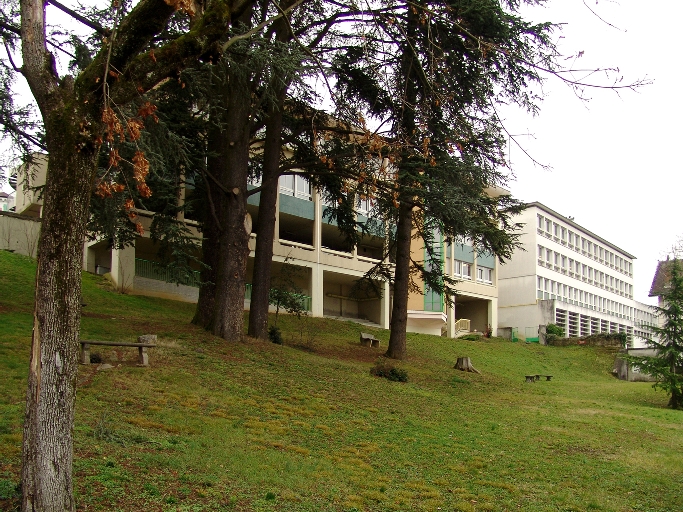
<point>253,426</point>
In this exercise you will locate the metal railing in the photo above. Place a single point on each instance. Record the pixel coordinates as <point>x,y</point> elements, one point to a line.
<point>462,325</point>
<point>154,270</point>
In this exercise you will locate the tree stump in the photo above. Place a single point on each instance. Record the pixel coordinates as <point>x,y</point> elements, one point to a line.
<point>465,364</point>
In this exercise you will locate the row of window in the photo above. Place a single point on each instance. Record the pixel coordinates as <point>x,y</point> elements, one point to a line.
<point>561,263</point>
<point>463,270</point>
<point>576,324</point>
<point>549,289</point>
<point>553,230</point>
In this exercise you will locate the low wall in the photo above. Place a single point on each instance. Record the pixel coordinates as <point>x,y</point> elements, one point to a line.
<point>164,290</point>
<point>624,372</point>
<point>596,340</point>
<point>19,233</point>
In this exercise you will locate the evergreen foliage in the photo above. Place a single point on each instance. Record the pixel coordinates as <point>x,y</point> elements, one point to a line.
<point>667,340</point>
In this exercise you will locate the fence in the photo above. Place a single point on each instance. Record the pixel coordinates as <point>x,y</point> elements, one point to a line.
<point>154,270</point>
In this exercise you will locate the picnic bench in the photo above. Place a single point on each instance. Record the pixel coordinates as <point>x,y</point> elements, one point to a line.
<point>534,378</point>
<point>368,340</point>
<point>144,342</point>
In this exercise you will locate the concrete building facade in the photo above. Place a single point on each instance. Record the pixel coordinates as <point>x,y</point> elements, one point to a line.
<point>569,276</point>
<point>329,269</point>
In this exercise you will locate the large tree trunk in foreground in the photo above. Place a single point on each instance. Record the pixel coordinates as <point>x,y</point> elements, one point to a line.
<point>235,222</point>
<point>204,312</point>
<point>47,483</point>
<point>263,258</point>
<point>206,302</point>
<point>72,115</point>
<point>399,312</point>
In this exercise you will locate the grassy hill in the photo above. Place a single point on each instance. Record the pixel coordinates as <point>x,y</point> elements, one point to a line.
<point>254,426</point>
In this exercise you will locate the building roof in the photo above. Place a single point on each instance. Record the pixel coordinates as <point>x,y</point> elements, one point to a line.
<point>662,277</point>
<point>577,226</point>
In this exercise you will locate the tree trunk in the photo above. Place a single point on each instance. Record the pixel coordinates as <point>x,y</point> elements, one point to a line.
<point>399,312</point>
<point>263,258</point>
<point>216,142</point>
<point>406,128</point>
<point>465,364</point>
<point>47,483</point>
<point>235,222</point>
<point>204,312</point>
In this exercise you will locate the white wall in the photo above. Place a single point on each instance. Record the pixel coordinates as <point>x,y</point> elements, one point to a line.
<point>19,233</point>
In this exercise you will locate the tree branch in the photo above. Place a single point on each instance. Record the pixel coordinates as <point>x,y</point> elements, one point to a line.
<point>95,26</point>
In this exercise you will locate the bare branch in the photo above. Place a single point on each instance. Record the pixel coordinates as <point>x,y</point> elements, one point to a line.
<point>95,26</point>
<point>600,18</point>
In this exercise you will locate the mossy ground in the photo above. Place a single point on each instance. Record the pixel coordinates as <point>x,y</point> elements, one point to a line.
<point>255,426</point>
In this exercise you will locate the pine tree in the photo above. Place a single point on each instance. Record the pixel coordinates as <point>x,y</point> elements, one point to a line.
<point>667,366</point>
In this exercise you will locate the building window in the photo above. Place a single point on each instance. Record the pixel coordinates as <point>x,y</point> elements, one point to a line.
<point>364,206</point>
<point>433,298</point>
<point>296,186</point>
<point>462,270</point>
<point>485,275</point>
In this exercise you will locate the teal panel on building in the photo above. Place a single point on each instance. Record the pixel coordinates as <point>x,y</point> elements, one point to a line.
<point>464,253</point>
<point>487,260</point>
<point>326,218</point>
<point>297,207</point>
<point>254,199</point>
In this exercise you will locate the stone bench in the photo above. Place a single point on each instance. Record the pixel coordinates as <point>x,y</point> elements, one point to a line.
<point>142,345</point>
<point>368,340</point>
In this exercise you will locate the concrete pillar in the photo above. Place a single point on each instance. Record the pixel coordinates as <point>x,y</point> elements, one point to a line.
<point>317,223</point>
<point>493,316</point>
<point>317,296</point>
<point>385,306</point>
<point>123,268</point>
<point>88,258</point>
<point>450,320</point>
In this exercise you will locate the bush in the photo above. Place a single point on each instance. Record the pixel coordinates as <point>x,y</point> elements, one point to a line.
<point>470,337</point>
<point>554,330</point>
<point>384,368</point>
<point>8,490</point>
<point>275,335</point>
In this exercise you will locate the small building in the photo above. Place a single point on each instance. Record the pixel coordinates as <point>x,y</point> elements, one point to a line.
<point>6,202</point>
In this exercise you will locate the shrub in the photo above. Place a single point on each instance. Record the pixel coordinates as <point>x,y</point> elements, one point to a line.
<point>470,337</point>
<point>8,490</point>
<point>384,368</point>
<point>275,335</point>
<point>554,330</point>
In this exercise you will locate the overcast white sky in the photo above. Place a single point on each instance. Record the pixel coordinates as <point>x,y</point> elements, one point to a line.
<point>614,159</point>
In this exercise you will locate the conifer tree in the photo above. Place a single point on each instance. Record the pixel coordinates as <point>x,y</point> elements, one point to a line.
<point>667,340</point>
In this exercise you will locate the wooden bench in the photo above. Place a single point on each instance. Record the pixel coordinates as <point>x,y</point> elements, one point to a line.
<point>368,340</point>
<point>534,378</point>
<point>142,345</point>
